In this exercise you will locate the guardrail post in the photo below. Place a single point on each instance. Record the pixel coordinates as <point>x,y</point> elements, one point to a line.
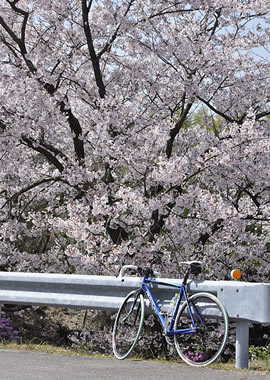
<point>242,343</point>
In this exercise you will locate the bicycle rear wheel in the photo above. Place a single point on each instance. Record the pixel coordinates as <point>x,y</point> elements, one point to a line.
<point>128,325</point>
<point>204,346</point>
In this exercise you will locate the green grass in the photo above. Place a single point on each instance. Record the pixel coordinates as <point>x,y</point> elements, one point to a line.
<point>46,348</point>
<point>262,366</point>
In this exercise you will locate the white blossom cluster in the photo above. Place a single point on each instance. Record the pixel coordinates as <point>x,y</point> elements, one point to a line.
<point>136,132</point>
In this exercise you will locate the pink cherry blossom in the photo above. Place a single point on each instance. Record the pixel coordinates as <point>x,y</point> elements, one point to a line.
<point>135,131</point>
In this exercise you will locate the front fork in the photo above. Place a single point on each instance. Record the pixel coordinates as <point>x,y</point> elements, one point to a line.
<point>137,294</point>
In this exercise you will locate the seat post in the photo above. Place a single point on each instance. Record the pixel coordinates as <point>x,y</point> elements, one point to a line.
<point>186,276</point>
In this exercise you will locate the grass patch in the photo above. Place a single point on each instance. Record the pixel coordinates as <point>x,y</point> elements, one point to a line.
<point>46,348</point>
<point>258,366</point>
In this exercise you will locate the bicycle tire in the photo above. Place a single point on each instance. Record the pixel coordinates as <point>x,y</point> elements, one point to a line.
<point>128,325</point>
<point>206,344</point>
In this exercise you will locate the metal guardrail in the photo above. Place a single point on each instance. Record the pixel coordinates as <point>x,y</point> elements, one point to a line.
<point>245,302</point>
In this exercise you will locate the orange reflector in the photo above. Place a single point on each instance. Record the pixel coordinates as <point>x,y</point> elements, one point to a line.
<point>236,274</point>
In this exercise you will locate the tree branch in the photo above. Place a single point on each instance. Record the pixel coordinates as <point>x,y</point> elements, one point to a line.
<point>226,117</point>
<point>10,32</point>
<point>30,187</point>
<point>31,143</point>
<point>77,130</point>
<point>262,114</point>
<point>114,35</point>
<point>50,88</point>
<point>174,131</point>
<point>91,49</point>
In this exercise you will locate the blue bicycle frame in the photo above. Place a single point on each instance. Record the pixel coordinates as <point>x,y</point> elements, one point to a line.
<point>163,320</point>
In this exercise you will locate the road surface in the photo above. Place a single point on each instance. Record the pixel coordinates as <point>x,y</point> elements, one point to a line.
<point>26,365</point>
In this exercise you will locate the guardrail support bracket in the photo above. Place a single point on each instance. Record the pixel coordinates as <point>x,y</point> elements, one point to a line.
<point>242,343</point>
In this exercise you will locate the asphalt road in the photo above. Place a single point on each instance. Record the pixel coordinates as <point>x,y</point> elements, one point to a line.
<point>25,365</point>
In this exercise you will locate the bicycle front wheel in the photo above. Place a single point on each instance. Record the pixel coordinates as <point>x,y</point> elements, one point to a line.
<point>207,316</point>
<point>128,325</point>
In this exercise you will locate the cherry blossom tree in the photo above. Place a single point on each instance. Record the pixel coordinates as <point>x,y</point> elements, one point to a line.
<point>135,131</point>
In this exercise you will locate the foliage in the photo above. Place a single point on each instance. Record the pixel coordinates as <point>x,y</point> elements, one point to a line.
<point>259,352</point>
<point>103,157</point>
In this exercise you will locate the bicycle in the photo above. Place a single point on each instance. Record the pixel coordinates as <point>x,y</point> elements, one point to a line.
<point>198,326</point>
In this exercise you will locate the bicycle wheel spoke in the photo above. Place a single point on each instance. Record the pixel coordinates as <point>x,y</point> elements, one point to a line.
<point>211,324</point>
<point>128,325</point>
